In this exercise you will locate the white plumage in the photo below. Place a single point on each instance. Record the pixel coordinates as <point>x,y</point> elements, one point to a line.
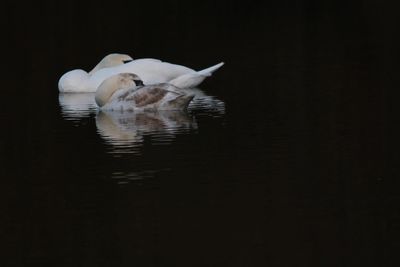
<point>151,71</point>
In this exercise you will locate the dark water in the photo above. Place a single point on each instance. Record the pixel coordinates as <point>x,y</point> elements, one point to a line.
<point>290,157</point>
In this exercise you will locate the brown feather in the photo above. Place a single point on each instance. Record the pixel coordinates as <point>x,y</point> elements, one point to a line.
<point>149,96</point>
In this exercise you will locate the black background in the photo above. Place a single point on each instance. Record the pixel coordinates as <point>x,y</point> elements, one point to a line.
<point>308,172</point>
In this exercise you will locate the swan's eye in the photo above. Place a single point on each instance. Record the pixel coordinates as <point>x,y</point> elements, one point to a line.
<point>127,61</point>
<point>138,82</point>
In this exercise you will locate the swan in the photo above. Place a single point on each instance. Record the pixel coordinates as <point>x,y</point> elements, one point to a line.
<point>150,70</point>
<point>126,92</point>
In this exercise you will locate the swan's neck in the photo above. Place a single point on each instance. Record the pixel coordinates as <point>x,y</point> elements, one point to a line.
<point>105,91</point>
<point>104,63</point>
<point>99,66</point>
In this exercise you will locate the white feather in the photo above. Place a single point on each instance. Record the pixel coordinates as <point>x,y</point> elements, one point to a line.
<point>150,70</point>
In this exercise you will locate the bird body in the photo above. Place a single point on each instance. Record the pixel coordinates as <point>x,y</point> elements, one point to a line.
<point>151,71</point>
<point>121,93</point>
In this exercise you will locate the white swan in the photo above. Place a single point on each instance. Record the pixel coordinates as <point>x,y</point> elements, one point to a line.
<point>150,70</point>
<point>126,92</point>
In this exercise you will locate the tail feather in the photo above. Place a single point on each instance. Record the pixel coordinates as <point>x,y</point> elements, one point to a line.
<point>193,79</point>
<point>210,70</point>
<point>180,102</point>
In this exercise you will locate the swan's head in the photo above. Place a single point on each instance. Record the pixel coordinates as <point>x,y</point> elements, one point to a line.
<point>111,60</point>
<point>116,82</point>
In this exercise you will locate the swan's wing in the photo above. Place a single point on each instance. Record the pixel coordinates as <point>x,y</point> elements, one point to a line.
<point>143,96</point>
<point>146,59</point>
<point>149,95</point>
<point>189,80</point>
<point>153,71</point>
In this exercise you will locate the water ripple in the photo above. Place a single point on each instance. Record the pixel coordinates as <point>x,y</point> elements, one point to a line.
<point>127,132</point>
<point>75,107</point>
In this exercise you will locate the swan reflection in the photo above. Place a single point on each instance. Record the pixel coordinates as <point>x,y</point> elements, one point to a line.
<point>127,129</point>
<point>204,102</point>
<point>76,106</point>
<point>128,135</point>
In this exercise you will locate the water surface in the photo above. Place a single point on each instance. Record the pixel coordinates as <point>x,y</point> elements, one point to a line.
<point>287,157</point>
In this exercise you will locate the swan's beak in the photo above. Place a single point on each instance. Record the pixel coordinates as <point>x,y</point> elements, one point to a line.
<point>138,82</point>
<point>127,61</point>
